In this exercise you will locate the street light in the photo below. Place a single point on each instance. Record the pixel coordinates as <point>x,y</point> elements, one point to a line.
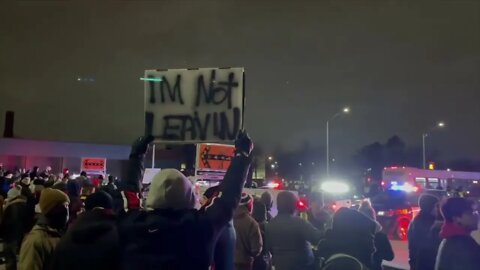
<point>440,124</point>
<point>345,110</point>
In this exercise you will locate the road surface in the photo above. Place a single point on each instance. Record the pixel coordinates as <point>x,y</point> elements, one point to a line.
<point>401,255</point>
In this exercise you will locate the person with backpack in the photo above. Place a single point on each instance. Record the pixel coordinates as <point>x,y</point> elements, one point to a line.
<point>289,238</point>
<point>171,233</point>
<point>249,239</point>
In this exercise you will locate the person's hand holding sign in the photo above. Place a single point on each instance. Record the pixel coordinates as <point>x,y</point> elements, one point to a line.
<point>243,144</point>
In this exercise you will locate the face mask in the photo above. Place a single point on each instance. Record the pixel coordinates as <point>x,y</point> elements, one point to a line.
<point>58,217</point>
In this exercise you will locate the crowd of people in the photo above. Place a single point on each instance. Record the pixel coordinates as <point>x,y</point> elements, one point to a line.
<point>61,223</point>
<point>440,237</point>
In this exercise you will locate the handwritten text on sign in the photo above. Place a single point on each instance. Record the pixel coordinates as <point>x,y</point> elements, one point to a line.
<point>194,104</point>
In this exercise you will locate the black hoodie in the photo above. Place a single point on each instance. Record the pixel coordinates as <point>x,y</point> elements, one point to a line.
<point>352,233</point>
<point>90,243</point>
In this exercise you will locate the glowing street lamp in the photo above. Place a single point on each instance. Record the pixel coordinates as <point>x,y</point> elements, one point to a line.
<point>439,124</point>
<point>345,110</point>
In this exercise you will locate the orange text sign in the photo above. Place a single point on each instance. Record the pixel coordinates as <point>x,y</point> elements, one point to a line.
<point>214,158</point>
<point>94,164</point>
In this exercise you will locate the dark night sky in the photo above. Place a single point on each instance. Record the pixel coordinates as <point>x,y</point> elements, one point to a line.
<point>400,65</point>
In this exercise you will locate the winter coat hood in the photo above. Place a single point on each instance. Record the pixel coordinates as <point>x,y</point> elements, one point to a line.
<point>92,242</point>
<point>93,225</point>
<point>170,189</point>
<point>347,220</point>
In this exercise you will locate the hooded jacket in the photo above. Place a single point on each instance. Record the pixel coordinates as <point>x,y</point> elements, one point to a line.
<point>172,234</point>
<point>38,247</point>
<point>358,229</point>
<point>289,240</point>
<point>91,243</point>
<point>16,220</point>
<point>458,250</point>
<point>249,239</point>
<point>420,240</point>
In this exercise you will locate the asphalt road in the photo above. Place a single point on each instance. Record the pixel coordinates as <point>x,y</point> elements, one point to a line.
<point>401,255</point>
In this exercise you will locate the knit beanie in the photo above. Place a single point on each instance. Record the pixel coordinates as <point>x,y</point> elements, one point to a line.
<point>245,199</point>
<point>50,198</point>
<point>427,202</point>
<point>170,189</point>
<point>99,199</point>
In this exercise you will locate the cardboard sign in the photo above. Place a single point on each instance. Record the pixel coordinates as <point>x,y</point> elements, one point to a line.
<point>194,105</point>
<point>94,164</point>
<point>213,160</point>
<point>149,174</point>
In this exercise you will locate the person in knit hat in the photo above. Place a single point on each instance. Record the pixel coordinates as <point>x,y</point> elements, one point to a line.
<point>249,238</point>
<point>290,238</point>
<point>419,240</point>
<point>172,233</point>
<point>38,247</point>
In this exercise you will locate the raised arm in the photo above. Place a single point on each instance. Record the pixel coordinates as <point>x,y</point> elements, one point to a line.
<point>132,184</point>
<point>220,209</point>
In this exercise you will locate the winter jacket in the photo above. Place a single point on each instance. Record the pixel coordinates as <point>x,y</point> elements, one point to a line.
<point>429,249</point>
<point>168,238</point>
<point>352,233</point>
<point>418,238</point>
<point>383,251</point>
<point>224,252</point>
<point>38,247</point>
<point>91,243</point>
<point>17,221</point>
<point>31,201</point>
<point>457,251</point>
<point>249,239</point>
<point>264,260</point>
<point>289,240</point>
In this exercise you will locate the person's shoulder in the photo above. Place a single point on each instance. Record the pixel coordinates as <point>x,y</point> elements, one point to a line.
<point>461,243</point>
<point>36,237</point>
